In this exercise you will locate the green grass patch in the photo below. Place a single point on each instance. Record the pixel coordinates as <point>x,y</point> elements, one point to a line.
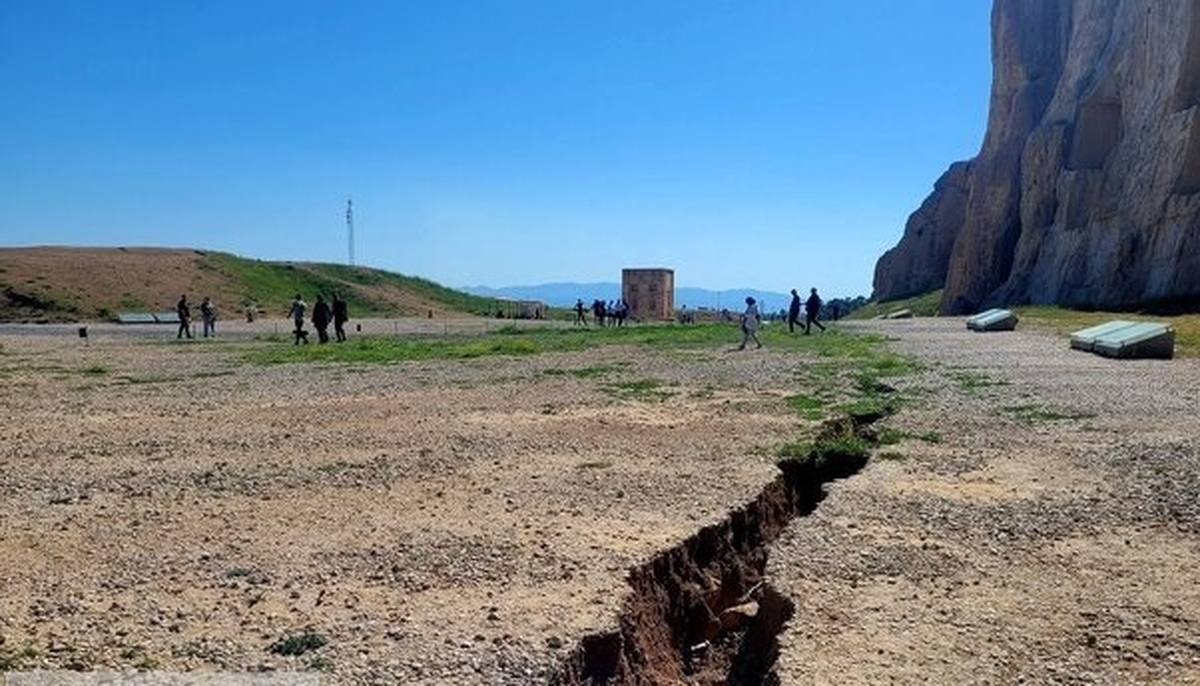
<point>382,349</point>
<point>272,285</point>
<point>646,390</point>
<point>94,369</point>
<point>508,340</point>
<point>809,407</point>
<point>924,305</point>
<point>843,446</point>
<point>890,435</point>
<point>238,572</point>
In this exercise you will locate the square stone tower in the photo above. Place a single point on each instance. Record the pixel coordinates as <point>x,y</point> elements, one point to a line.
<point>650,293</point>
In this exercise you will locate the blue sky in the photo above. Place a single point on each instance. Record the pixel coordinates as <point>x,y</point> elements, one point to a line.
<point>763,144</point>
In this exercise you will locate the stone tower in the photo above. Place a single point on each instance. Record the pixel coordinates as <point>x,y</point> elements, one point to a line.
<point>650,293</point>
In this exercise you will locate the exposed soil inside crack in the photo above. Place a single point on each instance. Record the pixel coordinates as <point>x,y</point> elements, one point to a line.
<point>703,612</point>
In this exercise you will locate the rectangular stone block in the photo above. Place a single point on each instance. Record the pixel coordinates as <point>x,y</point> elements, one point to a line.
<point>136,318</point>
<point>1143,340</point>
<point>993,320</point>
<point>166,317</point>
<point>1084,339</point>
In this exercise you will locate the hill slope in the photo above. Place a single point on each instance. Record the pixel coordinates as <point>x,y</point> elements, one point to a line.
<point>66,284</point>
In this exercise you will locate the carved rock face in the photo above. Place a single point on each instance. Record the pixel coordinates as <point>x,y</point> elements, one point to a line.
<point>1086,190</point>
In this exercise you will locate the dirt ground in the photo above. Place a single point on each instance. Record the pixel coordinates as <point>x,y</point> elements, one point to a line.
<point>1040,524</point>
<point>169,506</point>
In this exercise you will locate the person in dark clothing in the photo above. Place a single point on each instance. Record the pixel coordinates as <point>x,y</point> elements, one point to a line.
<point>812,310</point>
<point>185,317</point>
<point>320,319</point>
<point>580,319</point>
<point>340,316</point>
<point>297,315</point>
<point>208,317</point>
<point>793,315</point>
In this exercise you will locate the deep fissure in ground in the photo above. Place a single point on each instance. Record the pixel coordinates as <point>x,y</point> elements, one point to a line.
<point>702,612</point>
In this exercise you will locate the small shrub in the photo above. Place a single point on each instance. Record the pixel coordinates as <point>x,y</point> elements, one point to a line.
<point>595,464</point>
<point>298,644</point>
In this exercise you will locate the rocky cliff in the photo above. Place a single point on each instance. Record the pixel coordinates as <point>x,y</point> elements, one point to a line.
<point>1086,191</point>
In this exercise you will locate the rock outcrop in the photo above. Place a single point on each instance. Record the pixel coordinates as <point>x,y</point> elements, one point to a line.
<point>1086,191</point>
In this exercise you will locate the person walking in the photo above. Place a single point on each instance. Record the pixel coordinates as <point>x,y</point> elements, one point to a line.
<point>297,315</point>
<point>184,312</point>
<point>208,317</point>
<point>340,316</point>
<point>320,319</point>
<point>812,310</point>
<point>794,312</point>
<point>580,319</point>
<point>750,321</point>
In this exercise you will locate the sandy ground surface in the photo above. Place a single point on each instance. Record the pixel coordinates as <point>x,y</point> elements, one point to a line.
<point>1046,530</point>
<point>166,505</point>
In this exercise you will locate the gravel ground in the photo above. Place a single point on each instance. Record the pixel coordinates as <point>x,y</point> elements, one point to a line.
<point>166,505</point>
<point>1039,524</point>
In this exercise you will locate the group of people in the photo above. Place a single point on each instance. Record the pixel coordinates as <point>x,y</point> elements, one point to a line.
<point>208,316</point>
<point>751,317</point>
<point>323,314</point>
<point>612,313</point>
<point>812,312</point>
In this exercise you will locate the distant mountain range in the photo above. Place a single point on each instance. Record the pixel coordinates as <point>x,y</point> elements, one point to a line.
<point>564,294</point>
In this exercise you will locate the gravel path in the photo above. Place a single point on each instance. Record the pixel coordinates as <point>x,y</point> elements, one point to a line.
<point>1039,524</point>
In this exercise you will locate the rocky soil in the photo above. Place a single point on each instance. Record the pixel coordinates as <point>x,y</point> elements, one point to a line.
<point>1039,524</point>
<point>167,505</point>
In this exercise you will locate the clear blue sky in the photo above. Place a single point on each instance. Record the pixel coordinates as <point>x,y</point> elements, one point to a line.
<point>744,143</point>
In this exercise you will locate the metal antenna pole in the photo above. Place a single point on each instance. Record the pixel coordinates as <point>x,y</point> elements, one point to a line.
<point>350,228</point>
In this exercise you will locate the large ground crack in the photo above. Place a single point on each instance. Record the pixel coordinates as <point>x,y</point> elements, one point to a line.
<point>702,612</point>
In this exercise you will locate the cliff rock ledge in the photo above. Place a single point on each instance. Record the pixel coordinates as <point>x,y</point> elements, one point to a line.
<point>1086,191</point>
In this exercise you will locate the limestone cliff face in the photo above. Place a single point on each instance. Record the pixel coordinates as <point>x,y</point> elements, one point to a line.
<point>1086,190</point>
<point>918,264</point>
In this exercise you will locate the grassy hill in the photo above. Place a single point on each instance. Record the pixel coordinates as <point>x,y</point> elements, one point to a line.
<point>925,305</point>
<point>73,284</point>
